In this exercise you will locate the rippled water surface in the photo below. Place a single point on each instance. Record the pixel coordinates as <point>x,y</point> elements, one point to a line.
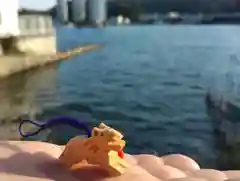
<point>149,82</point>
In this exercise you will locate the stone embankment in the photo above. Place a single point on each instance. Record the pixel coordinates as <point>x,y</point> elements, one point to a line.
<point>10,64</point>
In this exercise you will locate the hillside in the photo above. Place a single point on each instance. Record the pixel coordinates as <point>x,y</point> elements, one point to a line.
<point>132,8</point>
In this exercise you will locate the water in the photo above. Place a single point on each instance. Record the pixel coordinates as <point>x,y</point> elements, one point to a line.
<point>149,82</point>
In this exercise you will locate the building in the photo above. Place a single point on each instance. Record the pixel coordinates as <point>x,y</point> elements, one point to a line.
<point>37,33</point>
<point>97,12</point>
<point>62,11</point>
<point>28,39</point>
<point>79,11</point>
<point>25,31</point>
<point>9,18</point>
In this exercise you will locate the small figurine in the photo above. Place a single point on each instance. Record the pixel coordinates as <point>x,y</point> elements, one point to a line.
<point>103,148</point>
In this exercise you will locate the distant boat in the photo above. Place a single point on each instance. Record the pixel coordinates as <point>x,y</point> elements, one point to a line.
<point>119,20</point>
<point>126,21</point>
<point>172,17</point>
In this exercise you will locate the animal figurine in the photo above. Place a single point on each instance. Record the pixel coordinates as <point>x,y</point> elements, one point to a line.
<point>103,148</point>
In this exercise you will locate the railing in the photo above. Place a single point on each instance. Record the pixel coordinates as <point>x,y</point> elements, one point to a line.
<point>35,25</point>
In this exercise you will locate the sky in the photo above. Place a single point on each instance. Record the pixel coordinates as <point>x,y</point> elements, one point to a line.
<point>37,4</point>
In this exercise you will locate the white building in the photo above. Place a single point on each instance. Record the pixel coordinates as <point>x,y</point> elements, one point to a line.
<point>25,31</point>
<point>9,18</point>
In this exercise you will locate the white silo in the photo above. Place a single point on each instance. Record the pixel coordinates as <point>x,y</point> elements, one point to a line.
<point>79,11</point>
<point>62,11</point>
<point>97,11</point>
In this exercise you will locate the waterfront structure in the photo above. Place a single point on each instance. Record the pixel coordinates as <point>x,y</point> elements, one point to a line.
<point>28,39</point>
<point>24,33</point>
<point>97,12</point>
<point>79,11</point>
<point>62,11</point>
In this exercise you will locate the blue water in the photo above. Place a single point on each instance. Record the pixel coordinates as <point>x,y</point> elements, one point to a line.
<point>147,81</point>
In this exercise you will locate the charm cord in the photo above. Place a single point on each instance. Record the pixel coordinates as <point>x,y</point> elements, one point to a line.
<point>52,122</point>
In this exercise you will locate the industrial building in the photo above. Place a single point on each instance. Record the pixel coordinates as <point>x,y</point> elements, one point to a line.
<point>62,11</point>
<point>90,12</point>
<point>97,12</point>
<point>79,11</point>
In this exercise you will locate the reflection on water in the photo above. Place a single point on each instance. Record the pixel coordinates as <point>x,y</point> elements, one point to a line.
<point>225,117</point>
<point>20,94</point>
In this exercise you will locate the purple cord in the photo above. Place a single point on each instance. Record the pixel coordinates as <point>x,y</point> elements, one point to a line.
<point>52,122</point>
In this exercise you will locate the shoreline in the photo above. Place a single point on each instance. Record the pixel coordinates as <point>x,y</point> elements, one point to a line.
<point>11,64</point>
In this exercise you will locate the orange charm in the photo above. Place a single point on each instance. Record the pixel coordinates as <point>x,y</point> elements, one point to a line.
<point>104,149</point>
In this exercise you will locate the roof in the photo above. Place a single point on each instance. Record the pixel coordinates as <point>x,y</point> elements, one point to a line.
<point>33,12</point>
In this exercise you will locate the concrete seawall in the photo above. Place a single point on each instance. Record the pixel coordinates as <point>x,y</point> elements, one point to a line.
<point>14,64</point>
<point>44,44</point>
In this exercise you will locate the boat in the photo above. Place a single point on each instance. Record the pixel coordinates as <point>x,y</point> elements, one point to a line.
<point>119,20</point>
<point>172,18</point>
